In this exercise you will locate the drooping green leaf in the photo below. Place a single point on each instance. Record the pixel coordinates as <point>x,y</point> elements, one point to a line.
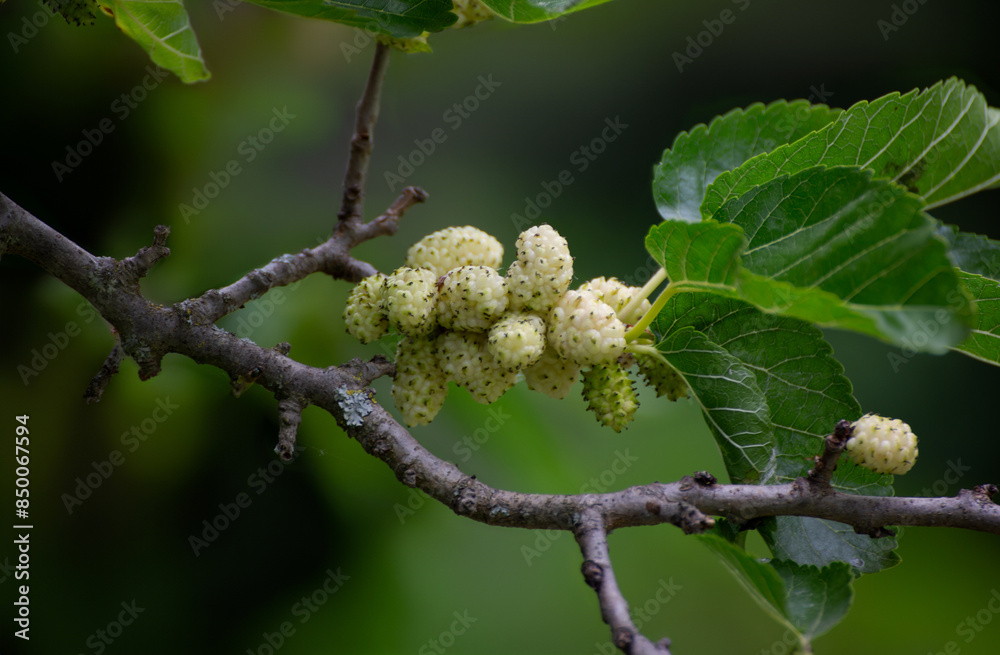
<point>864,242</point>
<point>807,393</point>
<point>807,600</point>
<point>395,18</point>
<point>697,157</point>
<point>817,598</point>
<point>534,11</point>
<point>734,406</point>
<point>164,31</point>
<point>697,254</point>
<point>818,542</point>
<point>942,144</point>
<point>984,342</point>
<point>973,253</point>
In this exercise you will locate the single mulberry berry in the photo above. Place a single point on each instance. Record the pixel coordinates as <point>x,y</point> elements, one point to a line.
<point>542,272</point>
<point>585,330</point>
<point>616,294</point>
<point>517,340</point>
<point>410,300</point>
<point>465,359</point>
<point>364,316</point>
<point>452,247</point>
<point>662,377</point>
<point>551,374</point>
<point>883,445</point>
<point>610,395</point>
<point>420,387</point>
<point>471,298</point>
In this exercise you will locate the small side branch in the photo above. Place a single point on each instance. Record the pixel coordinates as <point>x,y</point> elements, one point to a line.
<point>138,265</point>
<point>826,462</point>
<point>599,574</point>
<point>107,371</point>
<point>289,418</point>
<point>352,204</point>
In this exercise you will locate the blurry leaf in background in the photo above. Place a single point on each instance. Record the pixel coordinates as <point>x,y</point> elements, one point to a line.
<point>163,30</point>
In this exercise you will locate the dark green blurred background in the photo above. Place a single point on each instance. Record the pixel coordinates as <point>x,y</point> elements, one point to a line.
<point>413,565</point>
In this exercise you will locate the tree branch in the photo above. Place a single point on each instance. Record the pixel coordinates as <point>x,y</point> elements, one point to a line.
<point>352,204</point>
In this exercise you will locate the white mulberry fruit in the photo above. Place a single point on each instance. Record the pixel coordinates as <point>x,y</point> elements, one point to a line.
<point>551,374</point>
<point>471,298</point>
<point>452,247</point>
<point>517,340</point>
<point>662,377</point>
<point>883,445</point>
<point>410,300</point>
<point>364,316</point>
<point>465,359</point>
<point>420,386</point>
<point>616,294</point>
<point>585,330</point>
<point>542,272</point>
<point>610,395</point>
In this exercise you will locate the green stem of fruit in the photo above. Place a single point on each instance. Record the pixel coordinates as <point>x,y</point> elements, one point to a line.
<point>628,311</point>
<point>640,328</point>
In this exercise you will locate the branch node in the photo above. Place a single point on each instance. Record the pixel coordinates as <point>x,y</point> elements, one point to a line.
<point>289,418</point>
<point>623,637</point>
<point>704,478</point>
<point>826,462</point>
<point>692,520</point>
<point>366,372</point>
<point>137,266</point>
<point>107,371</point>
<point>983,494</point>
<point>593,574</point>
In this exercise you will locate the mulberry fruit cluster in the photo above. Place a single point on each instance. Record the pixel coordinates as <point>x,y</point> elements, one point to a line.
<point>882,444</point>
<point>466,322</point>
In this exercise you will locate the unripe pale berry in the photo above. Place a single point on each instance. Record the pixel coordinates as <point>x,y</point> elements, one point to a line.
<point>542,272</point>
<point>465,359</point>
<point>662,377</point>
<point>470,12</point>
<point>616,294</point>
<point>883,445</point>
<point>420,387</point>
<point>610,395</point>
<point>585,330</point>
<point>364,316</point>
<point>551,374</point>
<point>517,340</point>
<point>410,300</point>
<point>452,247</point>
<point>471,298</point>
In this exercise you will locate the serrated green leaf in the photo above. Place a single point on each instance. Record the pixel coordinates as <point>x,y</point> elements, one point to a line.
<point>864,243</point>
<point>697,157</point>
<point>807,393</point>
<point>705,254</point>
<point>395,18</point>
<point>817,598</point>
<point>807,600</point>
<point>734,406</point>
<point>984,342</point>
<point>162,29</point>
<point>942,144</point>
<point>818,542</point>
<point>535,11</point>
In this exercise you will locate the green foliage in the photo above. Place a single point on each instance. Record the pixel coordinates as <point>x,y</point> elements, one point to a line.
<point>164,31</point>
<point>785,217</point>
<point>534,11</point>
<point>396,18</point>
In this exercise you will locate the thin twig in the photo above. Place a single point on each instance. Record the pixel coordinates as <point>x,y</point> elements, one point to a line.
<point>352,205</point>
<point>826,462</point>
<point>107,371</point>
<point>289,418</point>
<point>599,574</point>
